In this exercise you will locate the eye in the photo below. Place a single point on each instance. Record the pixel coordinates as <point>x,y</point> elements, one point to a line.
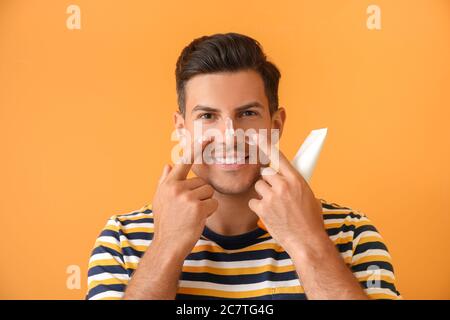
<point>248,113</point>
<point>206,116</point>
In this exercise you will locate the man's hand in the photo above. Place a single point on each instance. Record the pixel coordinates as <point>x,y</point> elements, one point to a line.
<point>180,209</point>
<point>181,206</point>
<point>292,215</point>
<point>288,207</point>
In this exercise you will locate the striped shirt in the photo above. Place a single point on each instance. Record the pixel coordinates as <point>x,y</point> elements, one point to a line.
<point>247,266</point>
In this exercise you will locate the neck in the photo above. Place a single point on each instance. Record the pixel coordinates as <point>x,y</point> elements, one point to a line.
<point>233,216</point>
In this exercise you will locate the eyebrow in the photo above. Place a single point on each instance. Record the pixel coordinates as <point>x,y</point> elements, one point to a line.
<point>246,106</point>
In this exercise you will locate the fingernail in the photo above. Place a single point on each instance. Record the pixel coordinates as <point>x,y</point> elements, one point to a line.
<point>267,171</point>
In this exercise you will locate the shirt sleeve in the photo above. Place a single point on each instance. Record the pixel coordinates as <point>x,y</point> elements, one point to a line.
<point>371,262</point>
<point>107,273</point>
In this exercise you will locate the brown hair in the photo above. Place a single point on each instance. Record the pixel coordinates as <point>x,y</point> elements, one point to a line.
<point>226,52</point>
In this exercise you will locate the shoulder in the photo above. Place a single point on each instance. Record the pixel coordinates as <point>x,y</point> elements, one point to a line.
<point>346,222</point>
<point>335,213</point>
<point>137,220</point>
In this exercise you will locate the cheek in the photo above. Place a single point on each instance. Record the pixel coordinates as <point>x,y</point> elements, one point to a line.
<point>200,170</point>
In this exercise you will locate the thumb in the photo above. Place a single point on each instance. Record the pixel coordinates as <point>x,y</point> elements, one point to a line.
<point>165,173</point>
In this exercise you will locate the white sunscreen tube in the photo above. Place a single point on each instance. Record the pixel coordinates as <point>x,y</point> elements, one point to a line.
<point>306,158</point>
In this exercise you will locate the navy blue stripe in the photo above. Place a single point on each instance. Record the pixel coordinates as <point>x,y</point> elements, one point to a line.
<point>343,247</point>
<point>138,235</point>
<point>343,228</point>
<point>283,296</point>
<point>102,249</point>
<point>365,266</point>
<point>238,256</point>
<point>141,220</point>
<point>363,247</point>
<point>239,279</point>
<point>361,229</point>
<point>352,215</point>
<point>383,285</point>
<point>129,251</point>
<point>109,269</point>
<point>333,206</point>
<point>105,287</point>
<point>110,233</point>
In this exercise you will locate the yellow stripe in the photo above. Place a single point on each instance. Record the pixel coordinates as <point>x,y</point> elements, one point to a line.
<point>93,284</point>
<point>238,271</point>
<point>337,211</point>
<point>140,215</point>
<point>111,298</point>
<point>111,227</point>
<point>114,247</point>
<point>372,258</point>
<point>213,248</point>
<point>344,240</point>
<point>382,296</point>
<point>378,277</point>
<point>347,224</point>
<point>239,294</point>
<point>138,229</point>
<point>104,262</point>
<point>370,239</point>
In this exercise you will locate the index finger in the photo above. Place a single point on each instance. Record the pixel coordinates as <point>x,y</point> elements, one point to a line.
<point>277,159</point>
<point>181,169</point>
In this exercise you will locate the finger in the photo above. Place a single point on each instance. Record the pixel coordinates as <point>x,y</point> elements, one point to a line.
<point>262,187</point>
<point>165,173</point>
<point>269,175</point>
<point>181,169</point>
<point>202,193</point>
<point>193,183</point>
<point>209,206</point>
<point>278,160</point>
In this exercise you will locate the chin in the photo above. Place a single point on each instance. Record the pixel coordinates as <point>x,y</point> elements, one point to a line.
<point>230,182</point>
<point>231,188</point>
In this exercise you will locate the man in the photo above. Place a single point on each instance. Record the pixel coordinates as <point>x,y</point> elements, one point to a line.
<point>201,238</point>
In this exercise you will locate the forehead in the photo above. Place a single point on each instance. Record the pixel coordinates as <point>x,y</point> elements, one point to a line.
<point>225,90</point>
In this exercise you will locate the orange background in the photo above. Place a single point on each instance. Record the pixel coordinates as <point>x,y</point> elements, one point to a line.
<point>86,117</point>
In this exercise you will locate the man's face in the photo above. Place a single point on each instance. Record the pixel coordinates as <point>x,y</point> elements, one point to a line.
<point>217,101</point>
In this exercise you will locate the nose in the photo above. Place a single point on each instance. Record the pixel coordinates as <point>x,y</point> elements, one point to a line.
<point>229,129</point>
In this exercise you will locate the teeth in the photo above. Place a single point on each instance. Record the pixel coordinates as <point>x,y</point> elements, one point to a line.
<point>229,160</point>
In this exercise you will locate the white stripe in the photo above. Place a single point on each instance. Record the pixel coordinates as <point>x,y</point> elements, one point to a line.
<point>123,218</point>
<point>135,242</point>
<point>371,252</point>
<point>238,287</point>
<point>202,242</point>
<point>107,294</point>
<point>347,253</point>
<point>103,256</point>
<point>342,220</point>
<point>380,290</point>
<point>341,234</point>
<point>137,225</point>
<point>132,259</point>
<point>382,272</point>
<point>366,234</point>
<point>108,239</point>
<point>107,275</point>
<point>112,223</point>
<point>238,264</point>
<point>337,209</point>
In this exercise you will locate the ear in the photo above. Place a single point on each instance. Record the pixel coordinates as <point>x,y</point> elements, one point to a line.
<point>278,119</point>
<point>178,120</point>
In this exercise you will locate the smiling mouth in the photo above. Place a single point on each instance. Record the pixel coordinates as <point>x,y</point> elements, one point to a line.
<point>231,160</point>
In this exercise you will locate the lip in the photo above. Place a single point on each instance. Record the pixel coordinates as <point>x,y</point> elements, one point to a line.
<point>232,165</point>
